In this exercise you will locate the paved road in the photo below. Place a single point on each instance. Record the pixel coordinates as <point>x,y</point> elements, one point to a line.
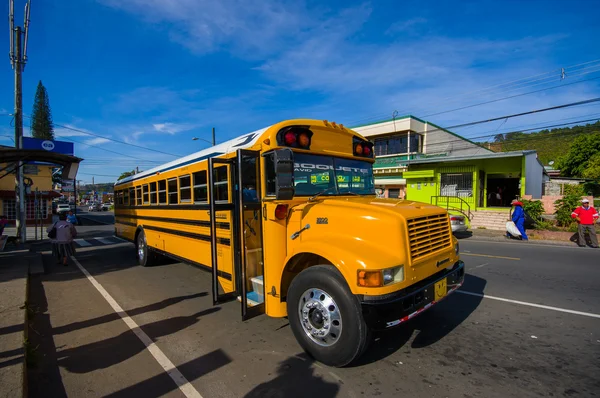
<point>467,346</point>
<point>94,217</point>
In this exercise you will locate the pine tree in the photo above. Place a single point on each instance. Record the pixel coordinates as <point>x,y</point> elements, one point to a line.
<point>41,118</point>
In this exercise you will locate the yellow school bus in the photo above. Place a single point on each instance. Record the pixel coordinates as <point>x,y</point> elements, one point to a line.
<point>287,220</point>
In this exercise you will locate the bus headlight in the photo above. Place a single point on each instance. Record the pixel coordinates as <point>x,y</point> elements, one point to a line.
<point>382,277</point>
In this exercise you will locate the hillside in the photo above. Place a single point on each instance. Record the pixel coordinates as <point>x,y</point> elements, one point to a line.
<point>549,144</point>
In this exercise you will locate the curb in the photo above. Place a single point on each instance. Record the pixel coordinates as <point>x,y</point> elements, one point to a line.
<point>498,239</point>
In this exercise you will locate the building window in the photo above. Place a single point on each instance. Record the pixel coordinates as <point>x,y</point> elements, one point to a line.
<point>457,184</point>
<point>31,210</point>
<point>200,187</point>
<point>416,143</point>
<point>393,192</point>
<point>153,193</point>
<point>221,187</point>
<point>162,192</point>
<point>138,196</point>
<point>10,208</point>
<point>392,145</point>
<point>146,195</point>
<point>185,189</point>
<point>172,183</point>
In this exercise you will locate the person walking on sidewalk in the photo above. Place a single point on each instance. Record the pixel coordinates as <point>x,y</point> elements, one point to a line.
<point>518,217</point>
<point>586,217</point>
<point>62,241</point>
<point>72,218</point>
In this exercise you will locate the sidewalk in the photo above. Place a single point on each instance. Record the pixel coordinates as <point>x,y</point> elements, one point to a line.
<point>554,238</point>
<point>14,269</point>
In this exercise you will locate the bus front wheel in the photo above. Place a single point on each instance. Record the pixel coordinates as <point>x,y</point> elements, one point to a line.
<point>145,256</point>
<point>325,317</point>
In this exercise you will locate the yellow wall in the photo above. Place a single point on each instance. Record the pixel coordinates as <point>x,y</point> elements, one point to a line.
<point>42,180</point>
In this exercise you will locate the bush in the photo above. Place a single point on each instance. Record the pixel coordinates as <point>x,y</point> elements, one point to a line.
<point>534,208</point>
<point>546,225</point>
<point>574,190</point>
<point>564,208</point>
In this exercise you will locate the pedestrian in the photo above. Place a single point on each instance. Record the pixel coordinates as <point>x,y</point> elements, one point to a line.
<point>586,217</point>
<point>3,223</point>
<point>72,218</point>
<point>518,217</point>
<point>62,238</point>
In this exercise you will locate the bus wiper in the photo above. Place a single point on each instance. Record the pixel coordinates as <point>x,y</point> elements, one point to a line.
<point>320,193</point>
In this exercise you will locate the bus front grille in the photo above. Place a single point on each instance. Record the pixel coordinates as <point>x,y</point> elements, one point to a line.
<point>428,235</point>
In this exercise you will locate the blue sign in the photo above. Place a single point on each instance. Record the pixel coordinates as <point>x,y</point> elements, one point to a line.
<point>62,147</point>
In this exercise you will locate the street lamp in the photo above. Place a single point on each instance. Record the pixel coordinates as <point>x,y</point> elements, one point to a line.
<point>202,139</point>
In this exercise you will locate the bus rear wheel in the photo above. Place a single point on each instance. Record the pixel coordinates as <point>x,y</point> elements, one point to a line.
<point>325,317</point>
<point>146,257</point>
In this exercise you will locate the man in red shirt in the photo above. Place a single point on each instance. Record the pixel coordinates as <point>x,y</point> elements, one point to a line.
<point>586,216</point>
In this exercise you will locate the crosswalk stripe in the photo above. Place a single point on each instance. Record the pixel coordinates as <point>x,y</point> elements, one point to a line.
<point>82,242</point>
<point>105,241</point>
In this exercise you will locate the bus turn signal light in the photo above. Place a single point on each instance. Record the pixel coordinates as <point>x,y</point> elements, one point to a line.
<point>362,148</point>
<point>358,149</point>
<point>370,279</point>
<point>295,137</point>
<point>281,212</point>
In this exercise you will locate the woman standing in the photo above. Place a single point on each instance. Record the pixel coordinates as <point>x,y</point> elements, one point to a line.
<point>62,241</point>
<point>518,217</point>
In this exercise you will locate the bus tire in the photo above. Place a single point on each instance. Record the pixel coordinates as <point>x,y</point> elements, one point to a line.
<point>325,317</point>
<point>145,256</point>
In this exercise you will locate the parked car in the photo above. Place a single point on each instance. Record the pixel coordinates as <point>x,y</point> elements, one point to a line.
<point>105,206</point>
<point>458,222</point>
<point>63,208</point>
<point>95,207</point>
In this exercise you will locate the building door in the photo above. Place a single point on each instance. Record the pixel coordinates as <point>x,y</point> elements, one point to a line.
<point>482,189</point>
<point>501,190</point>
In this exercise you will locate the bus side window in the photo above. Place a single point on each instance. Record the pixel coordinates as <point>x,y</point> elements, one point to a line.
<point>172,184</point>
<point>270,174</point>
<point>162,192</point>
<point>221,187</point>
<point>138,196</point>
<point>185,190</point>
<point>153,193</point>
<point>200,187</point>
<point>126,197</point>
<point>145,193</point>
<point>131,196</point>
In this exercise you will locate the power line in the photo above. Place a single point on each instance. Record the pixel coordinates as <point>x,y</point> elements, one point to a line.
<point>523,81</point>
<point>112,139</point>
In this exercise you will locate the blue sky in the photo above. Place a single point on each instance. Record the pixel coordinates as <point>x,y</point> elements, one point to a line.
<point>158,72</point>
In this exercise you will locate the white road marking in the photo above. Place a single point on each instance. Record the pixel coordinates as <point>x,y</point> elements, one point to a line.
<point>105,241</point>
<point>546,307</point>
<point>82,242</point>
<point>523,244</point>
<point>481,265</point>
<point>184,385</point>
<point>121,239</point>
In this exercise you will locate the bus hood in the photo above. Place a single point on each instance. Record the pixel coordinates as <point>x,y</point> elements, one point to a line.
<point>373,233</point>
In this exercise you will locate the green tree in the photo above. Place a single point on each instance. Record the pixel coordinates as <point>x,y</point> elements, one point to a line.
<point>582,150</point>
<point>592,169</point>
<point>127,174</point>
<point>41,116</point>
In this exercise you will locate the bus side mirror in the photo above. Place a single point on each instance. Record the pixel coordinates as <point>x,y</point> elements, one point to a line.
<point>284,174</point>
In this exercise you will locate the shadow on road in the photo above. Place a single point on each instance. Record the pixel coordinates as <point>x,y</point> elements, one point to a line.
<point>162,383</point>
<point>106,353</point>
<point>43,374</point>
<point>135,311</point>
<point>295,378</point>
<point>431,326</point>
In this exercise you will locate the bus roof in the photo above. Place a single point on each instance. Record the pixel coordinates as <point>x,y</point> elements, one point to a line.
<point>241,142</point>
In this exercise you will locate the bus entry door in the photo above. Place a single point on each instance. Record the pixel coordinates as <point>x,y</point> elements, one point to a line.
<point>224,231</point>
<point>248,200</point>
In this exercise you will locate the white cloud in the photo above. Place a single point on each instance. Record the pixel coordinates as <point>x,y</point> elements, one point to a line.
<point>97,141</point>
<point>171,128</point>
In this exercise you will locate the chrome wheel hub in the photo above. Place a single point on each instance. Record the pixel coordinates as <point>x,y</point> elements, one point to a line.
<point>141,246</point>
<point>320,317</point>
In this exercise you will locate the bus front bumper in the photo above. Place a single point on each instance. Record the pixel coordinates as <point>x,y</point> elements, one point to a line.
<point>384,312</point>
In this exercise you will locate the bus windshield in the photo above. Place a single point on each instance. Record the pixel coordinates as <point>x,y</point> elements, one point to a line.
<point>328,175</point>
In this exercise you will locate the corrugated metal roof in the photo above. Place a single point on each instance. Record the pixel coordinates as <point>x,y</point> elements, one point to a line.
<point>494,155</point>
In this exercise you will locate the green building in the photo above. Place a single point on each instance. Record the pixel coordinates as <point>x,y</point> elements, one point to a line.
<point>418,160</point>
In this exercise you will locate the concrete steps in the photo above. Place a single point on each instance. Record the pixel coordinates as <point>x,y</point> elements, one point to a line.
<point>494,220</point>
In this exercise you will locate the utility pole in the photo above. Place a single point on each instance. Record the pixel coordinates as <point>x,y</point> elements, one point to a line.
<point>214,142</point>
<point>18,59</point>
